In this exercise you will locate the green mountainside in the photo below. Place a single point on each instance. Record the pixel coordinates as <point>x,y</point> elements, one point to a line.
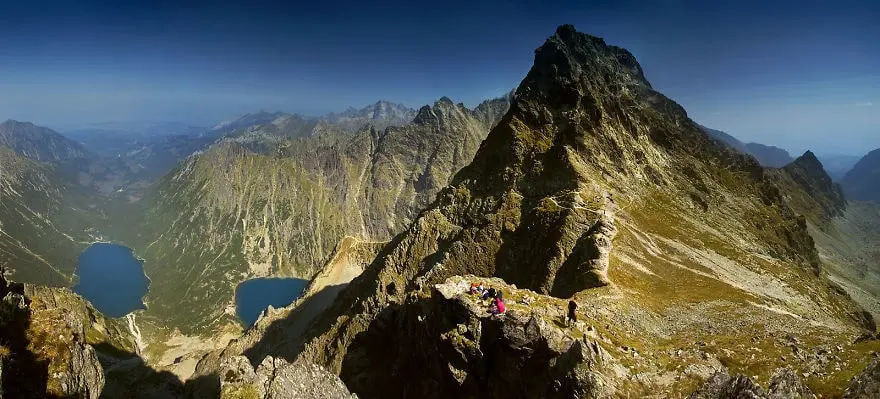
<point>697,270</point>
<point>595,186</point>
<point>43,222</point>
<point>263,204</point>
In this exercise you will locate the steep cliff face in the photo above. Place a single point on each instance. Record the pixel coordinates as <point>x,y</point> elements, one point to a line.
<point>862,182</point>
<point>242,209</point>
<point>48,336</point>
<point>597,186</point>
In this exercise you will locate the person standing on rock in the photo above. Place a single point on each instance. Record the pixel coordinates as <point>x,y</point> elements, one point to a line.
<point>572,315</point>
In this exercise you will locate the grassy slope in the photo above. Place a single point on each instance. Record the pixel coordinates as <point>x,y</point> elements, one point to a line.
<point>43,222</point>
<point>708,249</point>
<point>252,206</point>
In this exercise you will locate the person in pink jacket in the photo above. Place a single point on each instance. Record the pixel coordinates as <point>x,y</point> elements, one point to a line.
<point>497,306</point>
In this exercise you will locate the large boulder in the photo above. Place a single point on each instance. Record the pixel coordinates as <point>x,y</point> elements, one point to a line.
<point>279,379</point>
<point>784,385</point>
<point>867,383</point>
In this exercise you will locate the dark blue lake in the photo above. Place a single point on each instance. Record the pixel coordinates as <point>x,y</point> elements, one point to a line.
<point>112,279</point>
<point>254,295</point>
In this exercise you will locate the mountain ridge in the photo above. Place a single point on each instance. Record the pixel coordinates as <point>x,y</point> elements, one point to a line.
<point>767,155</point>
<point>593,185</point>
<point>862,182</point>
<point>278,206</point>
<point>39,143</point>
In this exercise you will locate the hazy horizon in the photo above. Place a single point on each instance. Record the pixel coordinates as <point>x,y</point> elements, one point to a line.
<point>795,75</point>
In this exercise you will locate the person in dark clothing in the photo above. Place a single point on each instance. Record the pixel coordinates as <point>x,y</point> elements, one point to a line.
<point>490,293</point>
<point>572,315</point>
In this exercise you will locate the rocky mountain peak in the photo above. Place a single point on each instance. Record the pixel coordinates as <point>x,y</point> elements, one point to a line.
<point>569,61</point>
<point>810,189</point>
<point>441,112</point>
<point>811,170</point>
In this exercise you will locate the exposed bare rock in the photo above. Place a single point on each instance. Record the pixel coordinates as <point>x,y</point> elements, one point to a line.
<point>278,379</point>
<point>47,353</point>
<point>787,385</point>
<point>784,385</point>
<point>725,386</point>
<point>236,211</point>
<point>867,384</point>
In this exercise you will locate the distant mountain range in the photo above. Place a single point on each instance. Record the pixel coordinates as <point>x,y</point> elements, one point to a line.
<point>301,185</point>
<point>767,155</point>
<point>39,143</point>
<point>863,181</point>
<point>838,165</point>
<point>835,165</point>
<point>692,262</point>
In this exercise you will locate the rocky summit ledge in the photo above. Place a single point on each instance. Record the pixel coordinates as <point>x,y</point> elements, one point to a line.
<point>530,339</point>
<point>585,359</point>
<point>277,378</point>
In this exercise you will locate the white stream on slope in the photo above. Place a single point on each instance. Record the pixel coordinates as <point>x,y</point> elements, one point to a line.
<point>136,332</point>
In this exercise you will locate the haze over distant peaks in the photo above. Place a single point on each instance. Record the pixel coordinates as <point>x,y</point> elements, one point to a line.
<point>767,155</point>
<point>39,143</point>
<point>863,181</point>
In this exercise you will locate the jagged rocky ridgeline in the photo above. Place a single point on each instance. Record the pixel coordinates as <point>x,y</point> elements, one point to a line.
<point>236,212</point>
<point>687,258</point>
<point>707,248</point>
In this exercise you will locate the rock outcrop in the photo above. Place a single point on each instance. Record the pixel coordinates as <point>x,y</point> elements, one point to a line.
<point>278,379</point>
<point>866,384</point>
<point>47,349</point>
<point>233,213</point>
<point>592,185</point>
<point>784,385</point>
<point>809,190</point>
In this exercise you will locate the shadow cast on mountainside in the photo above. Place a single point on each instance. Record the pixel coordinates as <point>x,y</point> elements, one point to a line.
<point>286,337</point>
<point>33,361</point>
<point>128,376</point>
<point>283,338</point>
<point>24,374</point>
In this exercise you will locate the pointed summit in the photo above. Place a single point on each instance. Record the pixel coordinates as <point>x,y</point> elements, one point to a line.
<point>587,149</point>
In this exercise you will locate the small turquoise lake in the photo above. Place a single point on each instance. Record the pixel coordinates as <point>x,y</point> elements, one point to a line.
<point>112,279</point>
<point>255,295</point>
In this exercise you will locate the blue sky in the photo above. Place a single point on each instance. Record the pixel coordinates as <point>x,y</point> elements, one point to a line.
<point>801,75</point>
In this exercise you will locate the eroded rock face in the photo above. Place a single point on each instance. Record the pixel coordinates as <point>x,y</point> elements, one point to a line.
<point>278,379</point>
<point>447,345</point>
<point>282,211</point>
<point>48,354</point>
<point>784,385</point>
<point>866,384</point>
<point>725,386</point>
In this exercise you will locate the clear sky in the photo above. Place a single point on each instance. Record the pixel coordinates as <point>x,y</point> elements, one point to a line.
<point>798,74</point>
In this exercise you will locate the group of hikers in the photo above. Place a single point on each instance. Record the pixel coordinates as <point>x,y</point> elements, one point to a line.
<point>496,306</point>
